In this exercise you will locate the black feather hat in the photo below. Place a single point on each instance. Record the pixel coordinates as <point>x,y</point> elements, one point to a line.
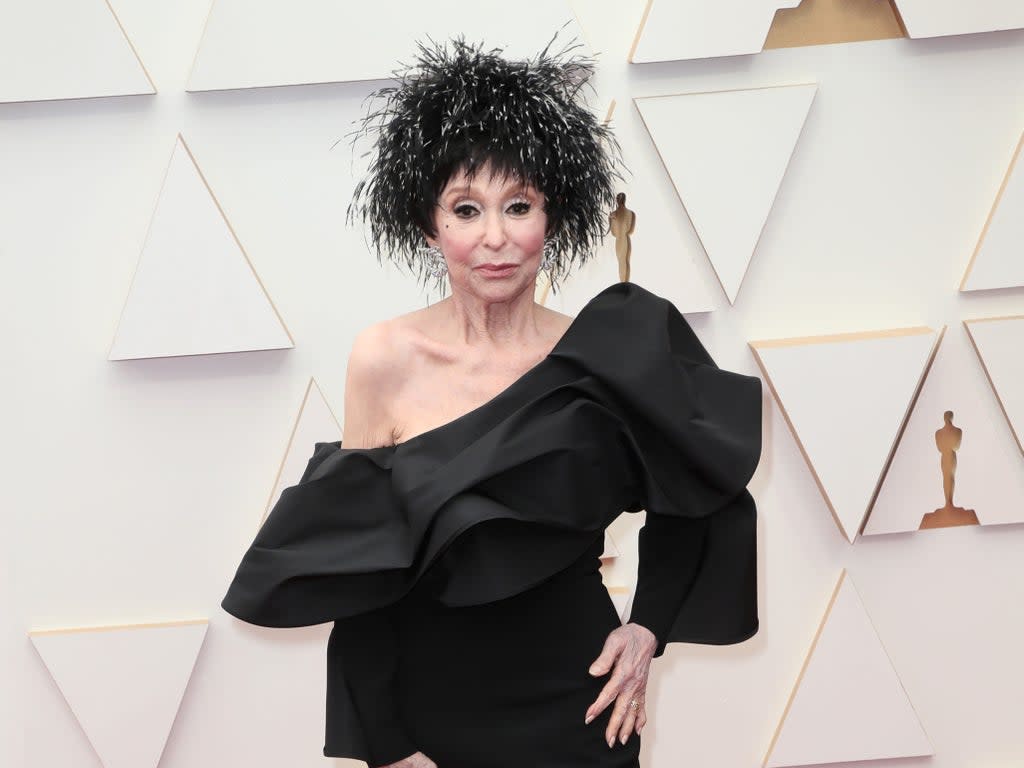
<point>460,107</point>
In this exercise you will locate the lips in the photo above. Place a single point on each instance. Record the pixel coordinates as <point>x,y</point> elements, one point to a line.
<point>497,271</point>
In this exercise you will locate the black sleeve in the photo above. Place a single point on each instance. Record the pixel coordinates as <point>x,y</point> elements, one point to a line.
<point>362,664</point>
<point>697,576</point>
<point>669,552</point>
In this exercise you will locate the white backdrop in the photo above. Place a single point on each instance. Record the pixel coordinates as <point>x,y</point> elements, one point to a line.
<point>132,487</point>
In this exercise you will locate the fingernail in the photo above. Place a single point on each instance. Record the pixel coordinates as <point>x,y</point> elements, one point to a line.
<point>588,720</point>
<point>611,740</point>
<point>623,738</point>
<point>593,669</point>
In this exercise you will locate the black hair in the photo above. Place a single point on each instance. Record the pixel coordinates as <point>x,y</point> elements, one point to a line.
<point>463,108</point>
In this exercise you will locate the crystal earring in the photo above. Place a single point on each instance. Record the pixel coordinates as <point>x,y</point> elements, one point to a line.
<point>433,260</point>
<point>548,259</point>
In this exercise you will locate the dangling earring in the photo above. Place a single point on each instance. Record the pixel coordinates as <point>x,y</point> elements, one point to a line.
<point>548,259</point>
<point>433,260</point>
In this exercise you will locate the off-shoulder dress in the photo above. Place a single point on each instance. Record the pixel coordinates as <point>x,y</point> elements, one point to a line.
<point>460,567</point>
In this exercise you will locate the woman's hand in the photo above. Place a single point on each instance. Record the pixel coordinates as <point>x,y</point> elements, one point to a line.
<point>417,760</point>
<point>628,652</point>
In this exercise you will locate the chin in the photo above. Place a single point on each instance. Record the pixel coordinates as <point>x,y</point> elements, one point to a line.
<point>502,289</point>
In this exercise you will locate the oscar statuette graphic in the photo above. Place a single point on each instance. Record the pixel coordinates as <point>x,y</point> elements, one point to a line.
<point>621,223</point>
<point>948,440</point>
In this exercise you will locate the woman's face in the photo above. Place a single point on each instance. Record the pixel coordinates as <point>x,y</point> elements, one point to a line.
<point>491,232</point>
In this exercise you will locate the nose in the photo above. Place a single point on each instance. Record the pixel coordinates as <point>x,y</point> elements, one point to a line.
<point>494,230</point>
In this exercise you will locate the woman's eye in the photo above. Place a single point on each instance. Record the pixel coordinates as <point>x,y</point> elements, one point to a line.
<point>464,211</point>
<point>519,209</point>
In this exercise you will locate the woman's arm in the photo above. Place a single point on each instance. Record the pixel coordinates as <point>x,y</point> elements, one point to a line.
<point>363,650</point>
<point>669,550</point>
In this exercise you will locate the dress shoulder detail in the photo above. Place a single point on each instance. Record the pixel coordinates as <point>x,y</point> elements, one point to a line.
<point>628,412</point>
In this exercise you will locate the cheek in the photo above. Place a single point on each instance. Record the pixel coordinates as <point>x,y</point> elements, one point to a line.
<point>530,235</point>
<point>457,248</point>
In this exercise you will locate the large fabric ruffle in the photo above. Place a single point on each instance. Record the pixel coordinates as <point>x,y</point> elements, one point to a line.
<point>628,412</point>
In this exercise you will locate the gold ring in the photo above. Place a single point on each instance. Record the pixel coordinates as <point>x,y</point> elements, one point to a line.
<point>634,704</point>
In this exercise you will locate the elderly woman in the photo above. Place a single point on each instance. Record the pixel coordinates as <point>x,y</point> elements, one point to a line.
<point>454,539</point>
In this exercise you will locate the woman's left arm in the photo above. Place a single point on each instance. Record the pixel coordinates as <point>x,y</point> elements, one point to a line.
<point>669,550</point>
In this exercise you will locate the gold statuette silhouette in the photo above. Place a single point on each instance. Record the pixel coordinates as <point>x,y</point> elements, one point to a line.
<point>621,223</point>
<point>948,440</point>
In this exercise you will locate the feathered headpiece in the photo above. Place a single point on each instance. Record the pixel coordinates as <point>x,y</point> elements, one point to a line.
<point>461,107</point>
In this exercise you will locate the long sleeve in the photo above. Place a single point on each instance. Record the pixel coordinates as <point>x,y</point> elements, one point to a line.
<point>362,664</point>
<point>697,576</point>
<point>669,555</point>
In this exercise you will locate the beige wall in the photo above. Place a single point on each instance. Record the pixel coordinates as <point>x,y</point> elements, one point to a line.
<point>132,487</point>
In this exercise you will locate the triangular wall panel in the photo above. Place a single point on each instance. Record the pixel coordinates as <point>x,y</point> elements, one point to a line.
<point>848,703</point>
<point>315,423</point>
<point>725,174</point>
<point>999,342</point>
<point>695,29</point>
<point>663,257</point>
<point>194,291</point>
<point>258,43</point>
<point>988,470</point>
<point>66,49</point>
<point>928,18</point>
<point>124,684</point>
<point>998,260</point>
<point>846,397</point>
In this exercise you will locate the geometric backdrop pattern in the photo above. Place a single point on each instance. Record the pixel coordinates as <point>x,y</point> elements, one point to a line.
<point>847,434</point>
<point>999,342</point>
<point>66,49</point>
<point>986,469</point>
<point>257,43</point>
<point>998,259</point>
<point>983,62</point>
<point>696,29</point>
<point>847,703</point>
<point>316,422</point>
<point>726,175</point>
<point>124,683</point>
<point>194,291</point>
<point>927,18</point>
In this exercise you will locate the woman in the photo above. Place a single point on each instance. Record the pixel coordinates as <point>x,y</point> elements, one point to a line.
<point>454,540</point>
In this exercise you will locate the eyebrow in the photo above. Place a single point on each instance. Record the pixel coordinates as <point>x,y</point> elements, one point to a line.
<point>470,190</point>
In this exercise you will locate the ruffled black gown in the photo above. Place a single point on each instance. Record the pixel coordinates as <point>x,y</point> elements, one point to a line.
<point>460,568</point>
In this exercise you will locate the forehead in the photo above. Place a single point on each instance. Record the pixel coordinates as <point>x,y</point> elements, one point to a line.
<point>485,182</point>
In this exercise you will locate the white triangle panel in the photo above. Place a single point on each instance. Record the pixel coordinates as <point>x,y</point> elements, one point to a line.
<point>928,18</point>
<point>848,703</point>
<point>998,261</point>
<point>315,424</point>
<point>66,49</point>
<point>257,43</point>
<point>989,472</point>
<point>622,598</point>
<point>695,29</point>
<point>664,255</point>
<point>726,175</point>
<point>999,342</point>
<point>194,291</point>
<point>846,397</point>
<point>124,684</point>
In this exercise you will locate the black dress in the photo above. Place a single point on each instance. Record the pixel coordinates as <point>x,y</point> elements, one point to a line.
<point>460,568</point>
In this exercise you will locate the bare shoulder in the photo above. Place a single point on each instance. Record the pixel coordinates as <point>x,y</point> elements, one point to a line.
<point>380,363</point>
<point>372,375</point>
